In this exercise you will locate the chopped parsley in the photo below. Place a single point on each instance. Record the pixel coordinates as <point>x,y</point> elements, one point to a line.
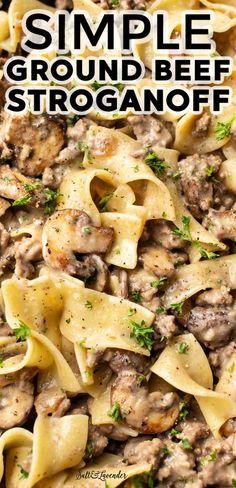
<point>131,312</point>
<point>142,334</point>
<point>103,203</point>
<point>157,165</point>
<point>223,129</point>
<point>71,121</point>
<point>183,348</point>
<point>141,379</point>
<point>26,200</point>
<point>176,176</point>
<point>183,412</point>
<point>115,3</point>
<point>210,171</point>
<point>174,432</point>
<point>88,305</point>
<point>136,296</point>
<point>158,283</point>
<point>51,200</point>
<point>160,310</point>
<point>139,480</point>
<point>184,235</point>
<point>89,451</point>
<point>87,230</point>
<point>31,186</point>
<point>115,413</point>
<point>177,307</point>
<point>22,331</point>
<point>81,343</point>
<point>95,85</point>
<point>23,473</point>
<point>1,362</point>
<point>136,168</point>
<point>204,253</point>
<point>165,450</point>
<point>68,321</point>
<point>209,458</point>
<point>231,368</point>
<point>185,444</point>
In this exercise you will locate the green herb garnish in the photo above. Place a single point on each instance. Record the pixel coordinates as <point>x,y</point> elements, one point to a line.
<point>185,444</point>
<point>136,296</point>
<point>88,305</point>
<point>222,130</point>
<point>142,334</point>
<point>177,307</point>
<point>115,413</point>
<point>22,331</point>
<point>71,121</point>
<point>23,473</point>
<point>95,85</point>
<point>26,200</point>
<point>158,283</point>
<point>157,165</point>
<point>51,200</point>
<point>141,379</point>
<point>183,348</point>
<point>103,203</point>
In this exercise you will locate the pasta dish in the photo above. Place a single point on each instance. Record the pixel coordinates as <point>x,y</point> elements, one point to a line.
<point>118,278</point>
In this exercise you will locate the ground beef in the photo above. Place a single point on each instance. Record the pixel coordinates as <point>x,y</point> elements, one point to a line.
<point>202,125</point>
<point>96,440</point>
<point>196,185</point>
<point>122,359</point>
<point>37,140</point>
<point>161,232</point>
<point>221,223</point>
<point>214,326</point>
<point>150,131</point>
<point>143,450</point>
<point>221,470</point>
<point>166,326</point>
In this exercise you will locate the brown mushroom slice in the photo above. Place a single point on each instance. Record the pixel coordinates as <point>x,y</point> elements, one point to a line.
<point>37,140</point>
<point>156,260</point>
<point>15,405</point>
<point>68,232</point>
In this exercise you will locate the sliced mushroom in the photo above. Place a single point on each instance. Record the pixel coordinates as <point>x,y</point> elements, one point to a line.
<point>52,402</point>
<point>68,232</point>
<point>15,405</point>
<point>157,260</point>
<point>37,140</point>
<point>149,413</point>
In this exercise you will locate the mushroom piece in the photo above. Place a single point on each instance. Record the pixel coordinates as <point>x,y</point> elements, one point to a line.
<point>16,402</point>
<point>37,140</point>
<point>149,413</point>
<point>68,232</point>
<point>52,402</point>
<point>157,260</point>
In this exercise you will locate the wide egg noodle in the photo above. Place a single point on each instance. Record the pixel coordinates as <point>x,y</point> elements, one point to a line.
<point>127,220</point>
<point>192,278</point>
<point>120,161</point>
<point>192,374</point>
<point>66,443</point>
<point>16,12</point>
<point>113,467</point>
<point>45,308</point>
<point>100,329</point>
